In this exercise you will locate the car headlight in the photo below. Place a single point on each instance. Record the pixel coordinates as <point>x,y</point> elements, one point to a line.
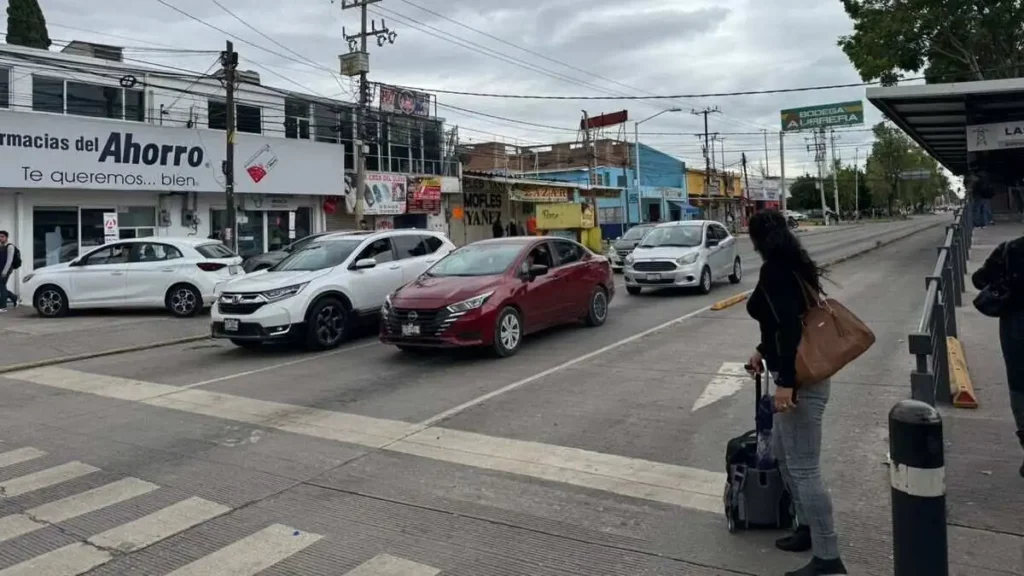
<point>387,303</point>
<point>688,259</point>
<point>28,278</point>
<point>282,293</point>
<point>471,304</point>
<point>629,259</point>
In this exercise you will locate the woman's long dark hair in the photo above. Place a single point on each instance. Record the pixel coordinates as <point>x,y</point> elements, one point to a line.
<point>776,243</point>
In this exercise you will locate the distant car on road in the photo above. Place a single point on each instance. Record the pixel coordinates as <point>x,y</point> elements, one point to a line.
<point>492,293</point>
<point>268,259</point>
<point>315,294</point>
<point>624,246</point>
<point>180,274</point>
<point>692,253</point>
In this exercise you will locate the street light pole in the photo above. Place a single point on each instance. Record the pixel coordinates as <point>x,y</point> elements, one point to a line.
<point>636,163</point>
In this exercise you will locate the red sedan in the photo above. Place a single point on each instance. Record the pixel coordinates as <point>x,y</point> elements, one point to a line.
<point>493,292</point>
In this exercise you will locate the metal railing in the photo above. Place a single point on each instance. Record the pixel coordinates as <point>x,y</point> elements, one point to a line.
<point>945,287</point>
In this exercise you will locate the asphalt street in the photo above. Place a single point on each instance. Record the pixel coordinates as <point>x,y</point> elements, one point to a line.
<point>591,452</point>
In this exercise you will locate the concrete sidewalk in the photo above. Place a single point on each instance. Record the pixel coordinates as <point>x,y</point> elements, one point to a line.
<point>27,338</point>
<point>985,492</point>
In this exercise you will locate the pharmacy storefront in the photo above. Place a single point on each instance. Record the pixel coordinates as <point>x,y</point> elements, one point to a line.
<point>61,175</point>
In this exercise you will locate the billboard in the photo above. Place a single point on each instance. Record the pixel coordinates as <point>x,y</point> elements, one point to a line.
<point>836,115</point>
<point>384,194</point>
<point>401,101</point>
<point>605,120</point>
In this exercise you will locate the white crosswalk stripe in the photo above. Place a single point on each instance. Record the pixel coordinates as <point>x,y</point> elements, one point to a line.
<point>161,524</point>
<point>251,555</point>
<point>45,478</point>
<point>20,455</point>
<point>388,565</point>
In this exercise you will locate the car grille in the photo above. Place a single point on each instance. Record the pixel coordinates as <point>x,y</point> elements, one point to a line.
<point>654,266</point>
<point>432,323</point>
<point>240,304</point>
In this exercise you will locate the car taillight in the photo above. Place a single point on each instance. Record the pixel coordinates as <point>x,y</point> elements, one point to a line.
<point>211,266</point>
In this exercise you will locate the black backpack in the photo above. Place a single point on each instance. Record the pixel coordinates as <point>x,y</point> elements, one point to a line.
<point>16,263</point>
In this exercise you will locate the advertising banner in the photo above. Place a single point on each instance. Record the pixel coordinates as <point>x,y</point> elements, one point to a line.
<point>402,101</point>
<point>384,194</point>
<point>424,195</point>
<point>562,217</point>
<point>759,190</point>
<point>824,116</point>
<point>46,151</point>
<point>982,137</point>
<point>540,194</point>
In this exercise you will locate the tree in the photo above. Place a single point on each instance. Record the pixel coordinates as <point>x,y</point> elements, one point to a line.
<point>893,154</point>
<point>26,25</point>
<point>803,194</point>
<point>950,40</point>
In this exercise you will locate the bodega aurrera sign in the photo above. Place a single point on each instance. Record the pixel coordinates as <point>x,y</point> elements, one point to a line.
<point>826,116</point>
<point>44,151</point>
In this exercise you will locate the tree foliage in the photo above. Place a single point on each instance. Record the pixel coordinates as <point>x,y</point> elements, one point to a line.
<point>26,25</point>
<point>892,154</point>
<point>950,40</point>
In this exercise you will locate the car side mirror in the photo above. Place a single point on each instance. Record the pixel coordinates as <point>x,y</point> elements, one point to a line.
<point>365,263</point>
<point>712,242</point>
<point>538,270</point>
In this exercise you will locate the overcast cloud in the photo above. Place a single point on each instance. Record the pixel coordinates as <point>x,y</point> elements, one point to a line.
<point>634,47</point>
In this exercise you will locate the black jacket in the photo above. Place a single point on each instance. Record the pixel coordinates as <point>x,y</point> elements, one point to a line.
<point>778,303</point>
<point>999,264</point>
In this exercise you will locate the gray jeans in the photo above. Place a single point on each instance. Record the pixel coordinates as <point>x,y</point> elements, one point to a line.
<point>796,438</point>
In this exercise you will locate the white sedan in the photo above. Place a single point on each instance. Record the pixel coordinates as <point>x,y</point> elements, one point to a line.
<point>180,274</point>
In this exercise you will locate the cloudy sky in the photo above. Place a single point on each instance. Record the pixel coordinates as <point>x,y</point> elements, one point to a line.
<point>534,47</point>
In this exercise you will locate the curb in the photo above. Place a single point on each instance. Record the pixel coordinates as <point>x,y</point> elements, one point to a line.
<point>730,301</point>
<point>961,388</point>
<point>89,355</point>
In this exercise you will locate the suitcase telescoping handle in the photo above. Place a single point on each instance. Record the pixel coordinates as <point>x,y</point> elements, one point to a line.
<point>757,377</point>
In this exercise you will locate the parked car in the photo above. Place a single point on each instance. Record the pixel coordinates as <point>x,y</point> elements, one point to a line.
<point>180,274</point>
<point>693,253</point>
<point>317,293</point>
<point>492,293</point>
<point>625,245</point>
<point>268,259</point>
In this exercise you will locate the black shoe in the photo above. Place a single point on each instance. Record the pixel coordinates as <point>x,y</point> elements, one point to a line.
<point>819,567</point>
<point>798,541</point>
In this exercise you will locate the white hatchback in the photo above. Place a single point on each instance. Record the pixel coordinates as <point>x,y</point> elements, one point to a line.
<point>180,274</point>
<point>691,253</point>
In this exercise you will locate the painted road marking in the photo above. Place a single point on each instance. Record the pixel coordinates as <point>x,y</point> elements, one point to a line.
<point>20,455</point>
<point>730,379</point>
<point>45,478</point>
<point>388,565</point>
<point>159,525</point>
<point>252,554</point>
<point>33,519</point>
<point>678,485</point>
<point>70,560</point>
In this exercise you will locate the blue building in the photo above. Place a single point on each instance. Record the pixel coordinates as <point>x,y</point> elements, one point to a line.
<point>662,188</point>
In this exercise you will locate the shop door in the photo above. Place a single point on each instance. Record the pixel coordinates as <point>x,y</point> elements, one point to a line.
<point>91,228</point>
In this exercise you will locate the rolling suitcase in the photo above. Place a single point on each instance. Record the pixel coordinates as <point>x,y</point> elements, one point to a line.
<point>755,495</point>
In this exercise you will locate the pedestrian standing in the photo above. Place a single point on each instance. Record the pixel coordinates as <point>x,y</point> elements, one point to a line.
<point>788,278</point>
<point>512,229</point>
<point>9,262</point>
<point>1003,269</point>
<point>497,229</point>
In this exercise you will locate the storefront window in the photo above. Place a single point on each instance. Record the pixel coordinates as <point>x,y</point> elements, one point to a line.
<point>250,230</point>
<point>277,227</point>
<point>54,235</point>
<point>136,222</point>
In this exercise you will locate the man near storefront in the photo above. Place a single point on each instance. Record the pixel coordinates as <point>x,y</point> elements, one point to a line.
<point>8,263</point>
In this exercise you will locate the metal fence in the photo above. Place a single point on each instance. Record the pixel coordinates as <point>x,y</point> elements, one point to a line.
<point>945,287</point>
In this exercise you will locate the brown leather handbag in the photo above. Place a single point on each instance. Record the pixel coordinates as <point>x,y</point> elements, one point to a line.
<point>832,337</point>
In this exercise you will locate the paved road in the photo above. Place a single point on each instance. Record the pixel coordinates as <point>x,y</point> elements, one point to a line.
<point>581,455</point>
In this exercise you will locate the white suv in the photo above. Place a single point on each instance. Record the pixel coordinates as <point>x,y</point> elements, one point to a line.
<point>315,294</point>
<point>691,253</point>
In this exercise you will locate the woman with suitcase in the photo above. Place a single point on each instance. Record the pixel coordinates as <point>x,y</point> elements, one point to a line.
<point>777,303</point>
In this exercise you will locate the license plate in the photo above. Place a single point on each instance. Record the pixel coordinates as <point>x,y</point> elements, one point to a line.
<point>234,270</point>
<point>410,330</point>
<point>230,325</point>
<point>654,277</point>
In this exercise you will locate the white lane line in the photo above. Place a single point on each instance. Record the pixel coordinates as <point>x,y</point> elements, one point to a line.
<point>388,565</point>
<point>252,554</point>
<point>311,358</point>
<point>677,485</point>
<point>730,379</point>
<point>33,519</point>
<point>20,455</point>
<point>45,478</point>
<point>70,560</point>
<point>433,421</point>
<point>159,525</point>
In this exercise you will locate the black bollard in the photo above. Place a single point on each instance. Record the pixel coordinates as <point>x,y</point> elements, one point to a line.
<point>918,476</point>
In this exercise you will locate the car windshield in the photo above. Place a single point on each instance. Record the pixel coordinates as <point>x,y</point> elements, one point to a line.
<point>636,232</point>
<point>318,255</point>
<point>687,236</point>
<point>477,260</point>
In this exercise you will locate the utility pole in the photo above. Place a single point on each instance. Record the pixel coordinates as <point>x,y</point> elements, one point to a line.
<point>819,158</point>
<point>229,64</point>
<point>835,177</point>
<point>357,63</point>
<point>590,147</point>
<point>766,159</point>
<point>707,146</point>
<point>782,171</point>
<point>746,185</point>
<point>856,183</point>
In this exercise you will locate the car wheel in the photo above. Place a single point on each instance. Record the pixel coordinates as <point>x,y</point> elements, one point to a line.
<point>737,271</point>
<point>247,344</point>
<point>634,290</point>
<point>705,280</point>
<point>597,312</point>
<point>326,324</point>
<point>50,302</point>
<point>183,300</point>
<point>508,332</point>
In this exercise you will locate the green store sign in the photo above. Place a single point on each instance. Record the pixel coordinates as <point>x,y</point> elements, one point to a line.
<point>825,116</point>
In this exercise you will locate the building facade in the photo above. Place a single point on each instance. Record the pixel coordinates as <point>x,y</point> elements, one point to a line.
<point>89,138</point>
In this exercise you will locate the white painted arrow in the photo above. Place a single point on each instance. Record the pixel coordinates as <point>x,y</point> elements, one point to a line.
<point>730,379</point>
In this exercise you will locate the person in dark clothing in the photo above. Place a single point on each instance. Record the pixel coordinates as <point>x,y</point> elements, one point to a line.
<point>497,229</point>
<point>788,280</point>
<point>512,230</point>
<point>1004,266</point>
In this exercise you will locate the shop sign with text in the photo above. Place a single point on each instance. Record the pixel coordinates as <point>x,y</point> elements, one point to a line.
<point>824,116</point>
<point>385,193</point>
<point>563,217</point>
<point>982,137</point>
<point>483,201</point>
<point>424,195</point>
<point>46,151</point>
<point>540,194</point>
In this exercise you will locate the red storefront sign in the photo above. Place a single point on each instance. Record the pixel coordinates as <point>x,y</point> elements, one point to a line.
<point>425,195</point>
